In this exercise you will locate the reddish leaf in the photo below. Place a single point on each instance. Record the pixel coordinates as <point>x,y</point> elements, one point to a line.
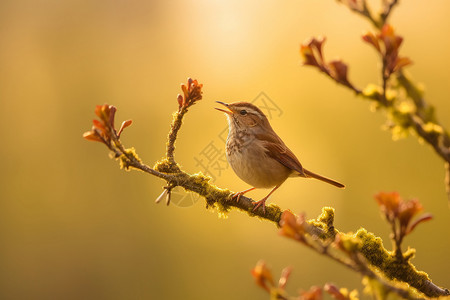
<point>311,52</point>
<point>308,56</point>
<point>292,226</point>
<point>422,218</point>
<point>338,70</point>
<point>103,128</point>
<point>92,136</point>
<point>263,275</point>
<point>391,41</point>
<point>389,203</point>
<point>372,39</point>
<point>111,113</point>
<point>185,90</point>
<point>98,110</point>
<point>401,62</point>
<point>124,125</point>
<point>314,293</point>
<point>334,291</point>
<point>407,210</point>
<point>317,44</point>
<point>99,125</point>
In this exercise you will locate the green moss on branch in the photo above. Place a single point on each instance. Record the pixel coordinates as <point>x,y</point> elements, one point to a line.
<point>402,270</point>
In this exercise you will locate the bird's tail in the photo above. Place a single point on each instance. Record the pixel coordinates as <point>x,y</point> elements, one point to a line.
<point>324,179</point>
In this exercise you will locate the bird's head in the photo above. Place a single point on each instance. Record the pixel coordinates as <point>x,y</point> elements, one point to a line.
<point>244,115</point>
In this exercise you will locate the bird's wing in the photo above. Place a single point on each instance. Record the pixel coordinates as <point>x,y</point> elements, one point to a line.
<point>276,149</point>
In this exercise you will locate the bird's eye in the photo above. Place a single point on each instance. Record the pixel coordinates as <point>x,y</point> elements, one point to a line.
<point>243,112</point>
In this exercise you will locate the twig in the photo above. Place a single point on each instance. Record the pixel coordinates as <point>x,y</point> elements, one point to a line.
<point>384,15</point>
<point>174,128</point>
<point>132,161</point>
<point>397,239</point>
<point>364,10</point>
<point>384,80</point>
<point>439,140</point>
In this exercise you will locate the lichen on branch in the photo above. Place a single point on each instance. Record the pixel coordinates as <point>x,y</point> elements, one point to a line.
<point>104,131</point>
<point>362,252</point>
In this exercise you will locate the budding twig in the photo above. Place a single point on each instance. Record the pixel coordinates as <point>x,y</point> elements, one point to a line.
<point>419,116</point>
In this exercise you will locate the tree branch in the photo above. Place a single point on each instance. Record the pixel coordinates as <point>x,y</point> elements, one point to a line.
<point>356,246</point>
<point>384,15</point>
<point>361,7</point>
<point>321,230</point>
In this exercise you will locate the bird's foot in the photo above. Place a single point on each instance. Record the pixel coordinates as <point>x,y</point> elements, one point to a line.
<point>260,203</point>
<point>238,195</point>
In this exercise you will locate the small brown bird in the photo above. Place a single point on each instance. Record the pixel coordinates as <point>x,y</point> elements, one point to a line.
<point>257,154</point>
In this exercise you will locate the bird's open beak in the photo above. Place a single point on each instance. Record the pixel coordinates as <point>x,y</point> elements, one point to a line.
<point>225,111</point>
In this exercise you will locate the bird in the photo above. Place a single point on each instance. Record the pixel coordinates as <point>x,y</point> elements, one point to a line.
<point>257,154</point>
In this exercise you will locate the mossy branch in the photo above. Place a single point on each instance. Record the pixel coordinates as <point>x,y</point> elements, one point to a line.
<point>167,169</point>
<point>395,268</point>
<point>174,128</point>
<point>360,252</point>
<point>215,197</point>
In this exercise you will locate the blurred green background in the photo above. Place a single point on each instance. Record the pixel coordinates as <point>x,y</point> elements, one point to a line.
<point>74,226</point>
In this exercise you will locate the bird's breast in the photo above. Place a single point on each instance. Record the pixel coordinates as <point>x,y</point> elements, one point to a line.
<point>249,160</point>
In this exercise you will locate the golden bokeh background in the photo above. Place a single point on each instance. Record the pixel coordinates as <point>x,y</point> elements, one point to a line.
<point>74,226</point>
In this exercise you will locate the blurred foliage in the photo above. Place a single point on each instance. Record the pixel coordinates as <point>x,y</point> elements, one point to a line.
<point>74,226</point>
